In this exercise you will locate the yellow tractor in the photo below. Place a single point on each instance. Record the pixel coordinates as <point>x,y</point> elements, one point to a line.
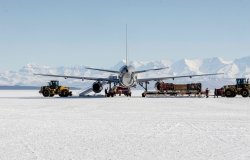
<point>53,88</point>
<point>242,87</point>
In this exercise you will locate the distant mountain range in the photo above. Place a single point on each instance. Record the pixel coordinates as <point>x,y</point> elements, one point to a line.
<point>232,69</point>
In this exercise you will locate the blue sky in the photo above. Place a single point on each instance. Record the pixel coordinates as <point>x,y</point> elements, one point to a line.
<point>92,32</point>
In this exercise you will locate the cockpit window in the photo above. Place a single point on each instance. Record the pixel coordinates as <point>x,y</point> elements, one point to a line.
<point>124,69</point>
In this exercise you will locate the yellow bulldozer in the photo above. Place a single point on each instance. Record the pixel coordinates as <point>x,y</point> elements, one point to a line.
<point>53,89</point>
<point>242,87</point>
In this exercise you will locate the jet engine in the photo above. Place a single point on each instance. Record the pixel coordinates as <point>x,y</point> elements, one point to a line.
<point>158,86</point>
<point>97,87</point>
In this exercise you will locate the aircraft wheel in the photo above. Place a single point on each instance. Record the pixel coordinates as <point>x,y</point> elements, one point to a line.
<point>108,95</point>
<point>143,95</point>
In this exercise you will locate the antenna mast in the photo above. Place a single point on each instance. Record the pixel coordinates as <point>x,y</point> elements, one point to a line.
<point>126,46</point>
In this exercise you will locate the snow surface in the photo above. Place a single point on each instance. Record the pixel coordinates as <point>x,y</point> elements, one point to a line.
<point>121,128</point>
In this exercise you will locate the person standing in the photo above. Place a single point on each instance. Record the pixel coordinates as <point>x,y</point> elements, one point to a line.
<point>215,93</point>
<point>106,92</point>
<point>207,92</point>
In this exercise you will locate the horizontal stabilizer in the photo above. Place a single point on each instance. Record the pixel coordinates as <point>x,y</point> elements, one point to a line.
<point>109,79</point>
<point>147,70</point>
<point>103,70</point>
<point>174,77</point>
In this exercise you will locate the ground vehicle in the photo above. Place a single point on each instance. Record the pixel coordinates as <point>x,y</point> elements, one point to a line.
<point>242,87</point>
<point>118,90</point>
<point>53,88</point>
<point>176,89</point>
<point>219,92</point>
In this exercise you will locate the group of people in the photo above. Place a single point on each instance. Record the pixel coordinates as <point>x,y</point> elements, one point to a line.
<point>215,93</point>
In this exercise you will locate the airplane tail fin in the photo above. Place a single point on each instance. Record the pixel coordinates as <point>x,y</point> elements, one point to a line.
<point>126,45</point>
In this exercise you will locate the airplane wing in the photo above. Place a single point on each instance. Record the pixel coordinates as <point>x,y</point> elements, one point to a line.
<point>157,69</point>
<point>174,77</point>
<point>110,79</point>
<point>103,70</point>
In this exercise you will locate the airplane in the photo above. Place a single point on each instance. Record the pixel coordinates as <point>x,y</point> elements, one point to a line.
<point>127,76</point>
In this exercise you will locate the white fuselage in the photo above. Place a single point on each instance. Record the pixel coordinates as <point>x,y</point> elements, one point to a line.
<point>127,78</point>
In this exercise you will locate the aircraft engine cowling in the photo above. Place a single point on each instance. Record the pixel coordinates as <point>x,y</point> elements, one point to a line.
<point>158,86</point>
<point>97,87</point>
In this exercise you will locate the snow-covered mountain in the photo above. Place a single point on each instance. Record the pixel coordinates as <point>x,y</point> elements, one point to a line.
<point>232,69</point>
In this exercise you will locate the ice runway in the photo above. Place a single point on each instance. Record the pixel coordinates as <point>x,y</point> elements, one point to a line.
<point>121,128</point>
